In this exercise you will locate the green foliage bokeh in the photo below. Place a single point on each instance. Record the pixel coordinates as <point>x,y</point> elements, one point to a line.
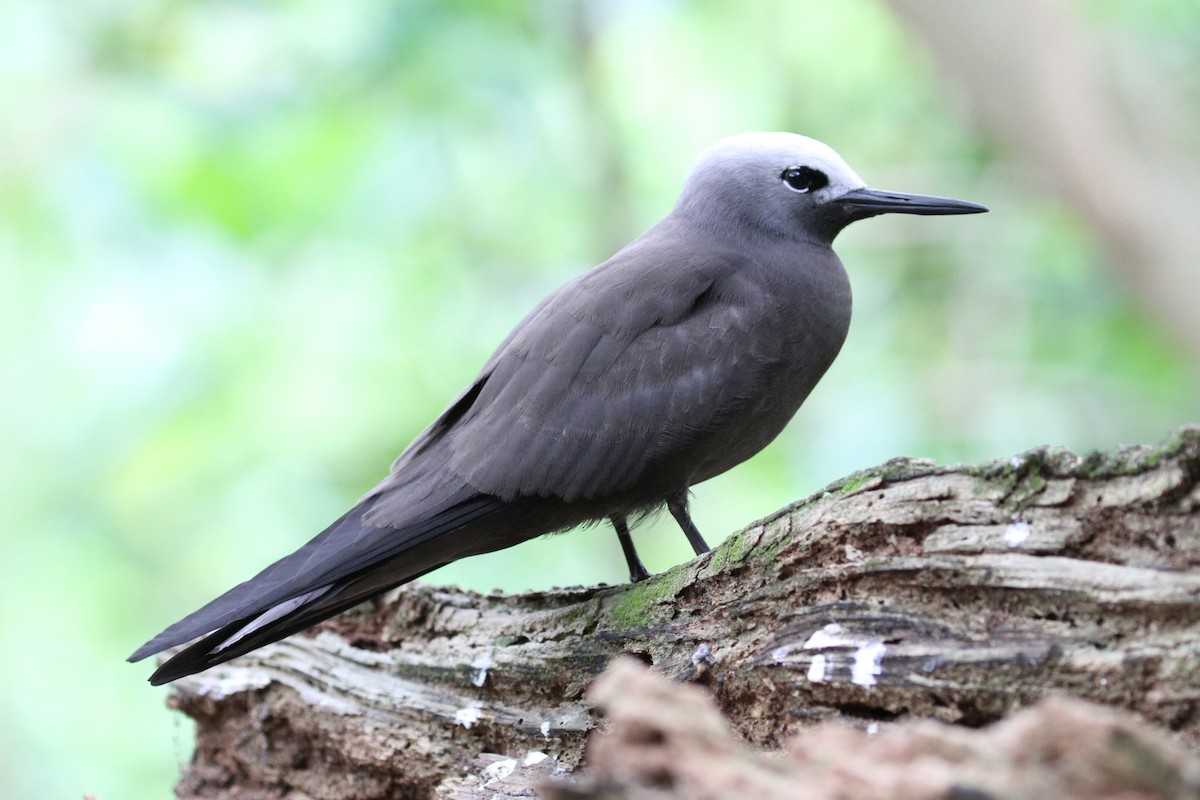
<point>248,250</point>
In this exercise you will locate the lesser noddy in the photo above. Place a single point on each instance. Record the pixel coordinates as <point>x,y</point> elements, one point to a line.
<point>676,359</point>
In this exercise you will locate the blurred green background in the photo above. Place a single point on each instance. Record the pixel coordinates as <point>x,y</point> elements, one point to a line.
<point>248,250</point>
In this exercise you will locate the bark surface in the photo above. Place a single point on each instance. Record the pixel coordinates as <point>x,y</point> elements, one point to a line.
<point>667,741</point>
<point>908,591</point>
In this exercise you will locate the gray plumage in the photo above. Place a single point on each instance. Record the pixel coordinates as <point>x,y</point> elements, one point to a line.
<point>678,358</point>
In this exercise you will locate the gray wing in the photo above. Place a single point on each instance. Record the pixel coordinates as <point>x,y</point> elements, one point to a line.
<point>631,362</point>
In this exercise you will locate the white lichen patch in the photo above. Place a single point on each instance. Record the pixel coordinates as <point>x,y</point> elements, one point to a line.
<point>816,670</point>
<point>1016,533</point>
<point>829,636</point>
<point>469,714</point>
<point>868,663</point>
<point>498,770</point>
<point>482,663</point>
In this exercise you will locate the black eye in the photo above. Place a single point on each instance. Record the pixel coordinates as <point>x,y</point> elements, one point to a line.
<point>804,179</point>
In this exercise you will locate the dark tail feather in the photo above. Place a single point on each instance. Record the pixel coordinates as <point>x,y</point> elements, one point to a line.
<point>346,554</point>
<point>248,598</point>
<point>243,635</point>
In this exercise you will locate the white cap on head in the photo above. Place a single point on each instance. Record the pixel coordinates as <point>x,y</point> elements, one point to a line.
<point>778,151</point>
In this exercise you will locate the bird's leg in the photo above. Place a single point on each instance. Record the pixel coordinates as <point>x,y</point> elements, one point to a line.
<point>637,570</point>
<point>677,504</point>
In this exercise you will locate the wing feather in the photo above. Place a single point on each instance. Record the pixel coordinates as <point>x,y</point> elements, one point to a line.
<point>642,357</point>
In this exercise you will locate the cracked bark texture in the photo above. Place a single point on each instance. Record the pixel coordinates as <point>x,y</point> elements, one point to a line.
<point>907,591</point>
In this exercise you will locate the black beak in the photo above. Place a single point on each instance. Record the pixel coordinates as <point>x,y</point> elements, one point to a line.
<point>869,202</point>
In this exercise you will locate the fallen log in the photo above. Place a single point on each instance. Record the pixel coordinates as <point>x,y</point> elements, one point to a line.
<point>906,591</point>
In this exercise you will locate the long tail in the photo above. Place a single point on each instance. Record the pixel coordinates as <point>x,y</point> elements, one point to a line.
<point>350,561</point>
<point>250,633</point>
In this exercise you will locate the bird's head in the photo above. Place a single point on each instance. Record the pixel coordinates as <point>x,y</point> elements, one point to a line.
<point>790,186</point>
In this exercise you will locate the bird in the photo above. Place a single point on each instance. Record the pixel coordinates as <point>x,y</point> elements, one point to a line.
<point>678,358</point>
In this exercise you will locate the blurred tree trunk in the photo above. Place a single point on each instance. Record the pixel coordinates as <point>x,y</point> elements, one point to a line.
<point>908,591</point>
<point>1106,140</point>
